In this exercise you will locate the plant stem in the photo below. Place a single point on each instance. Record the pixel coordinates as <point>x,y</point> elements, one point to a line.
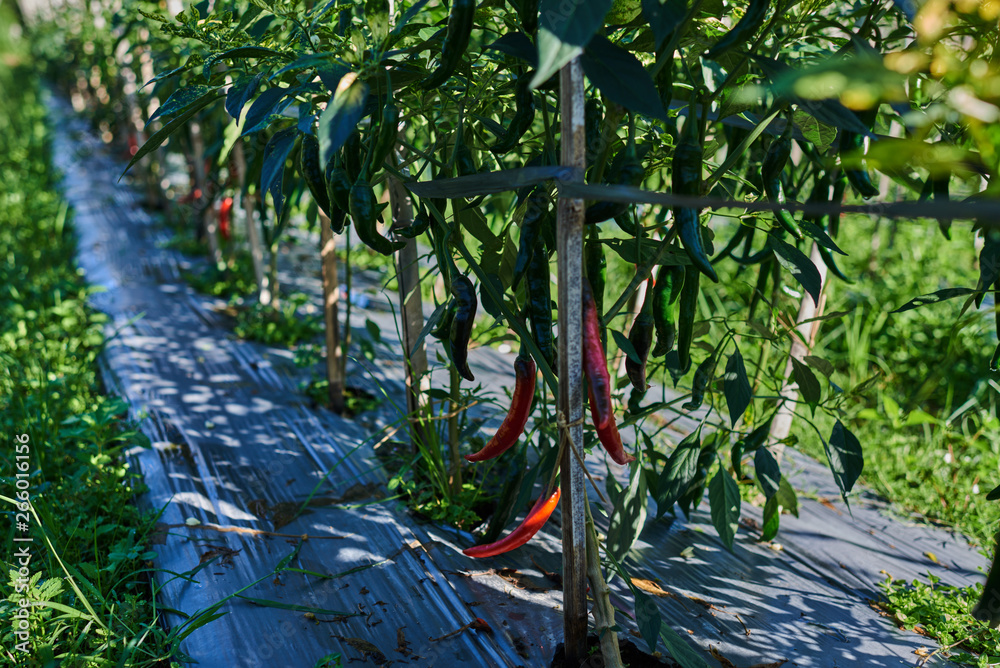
<point>455,472</point>
<point>604,612</point>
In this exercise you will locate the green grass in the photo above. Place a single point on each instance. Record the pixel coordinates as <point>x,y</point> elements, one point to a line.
<point>89,570</point>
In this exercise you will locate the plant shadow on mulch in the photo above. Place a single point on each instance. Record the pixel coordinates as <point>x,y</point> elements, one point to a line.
<point>632,656</point>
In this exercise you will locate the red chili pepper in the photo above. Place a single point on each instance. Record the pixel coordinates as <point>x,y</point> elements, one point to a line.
<point>536,519</point>
<point>520,408</point>
<point>595,364</point>
<point>224,208</point>
<point>610,438</point>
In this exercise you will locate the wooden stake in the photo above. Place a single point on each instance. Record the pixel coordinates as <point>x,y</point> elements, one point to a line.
<point>570,273</point>
<point>331,298</point>
<point>410,303</point>
<point>253,231</point>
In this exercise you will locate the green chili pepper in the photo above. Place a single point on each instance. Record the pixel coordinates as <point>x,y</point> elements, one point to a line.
<point>748,444</point>
<point>536,208</point>
<point>688,309</point>
<point>312,173</point>
<point>833,219</point>
<point>627,169</point>
<point>388,133</point>
<point>939,186</point>
<point>527,12</point>
<point>858,176</point>
<point>831,264</point>
<point>421,223</point>
<point>641,338</point>
<point>464,294</point>
<point>665,78</point>
<point>593,117</point>
<point>364,210</point>
<point>743,31</point>
<point>539,294</point>
<point>686,179</point>
<point>456,41</point>
<point>597,269</point>
<point>774,164</point>
<point>338,185</point>
<point>702,377</point>
<point>352,156</point>
<point>666,291</point>
<point>524,116</point>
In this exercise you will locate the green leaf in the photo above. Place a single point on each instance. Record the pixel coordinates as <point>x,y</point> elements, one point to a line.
<point>474,222</point>
<point>486,300</point>
<point>677,474</point>
<point>934,298</point>
<point>737,387</point>
<point>772,519</point>
<point>564,29</point>
<point>768,472</point>
<point>180,99</point>
<point>664,18</point>
<point>724,502</point>
<point>432,322</point>
<point>625,346</point>
<point>272,101</point>
<point>625,249</point>
<point>168,129</point>
<point>377,16</point>
<point>507,508</point>
<point>680,650</point>
<point>809,385</point>
<point>621,78</point>
<point>486,183</point>
<point>994,494</point>
<point>517,45</point>
<point>341,116</point>
<point>820,134</point>
<point>241,52</point>
<point>240,93</point>
<point>786,497</point>
<point>629,515</point>
<point>647,618</point>
<point>846,459</point>
<point>273,169</point>
<point>800,266</point>
<point>820,364</point>
<point>819,235</point>
<point>298,608</point>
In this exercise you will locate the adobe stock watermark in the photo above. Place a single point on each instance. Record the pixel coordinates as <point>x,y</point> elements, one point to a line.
<point>21,556</point>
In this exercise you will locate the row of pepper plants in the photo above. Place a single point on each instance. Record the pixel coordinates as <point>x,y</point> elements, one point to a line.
<point>707,127</point>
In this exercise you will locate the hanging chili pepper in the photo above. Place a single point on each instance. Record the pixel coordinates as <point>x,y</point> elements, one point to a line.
<point>352,156</point>
<point>596,267</point>
<point>535,520</point>
<point>456,41</point>
<point>338,185</point>
<point>833,219</point>
<point>608,435</point>
<point>688,309</point>
<point>686,179</point>
<point>535,210</point>
<point>743,31</point>
<point>665,77</point>
<point>388,133</point>
<point>464,293</point>
<point>939,186</point>
<point>443,329</point>
<point>421,223</point>
<point>641,338</point>
<point>702,376</point>
<point>312,173</point>
<point>595,363</point>
<point>524,115</point>
<point>627,170</point>
<point>593,117</point>
<point>539,295</point>
<point>364,211</point>
<point>851,142</point>
<point>513,424</point>
<point>771,169</point>
<point>666,291</point>
<point>527,12</point>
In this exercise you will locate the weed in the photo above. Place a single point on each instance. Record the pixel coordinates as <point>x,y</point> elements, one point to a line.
<point>281,326</point>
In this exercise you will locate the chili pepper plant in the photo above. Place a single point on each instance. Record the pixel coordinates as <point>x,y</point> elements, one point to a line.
<point>688,161</point>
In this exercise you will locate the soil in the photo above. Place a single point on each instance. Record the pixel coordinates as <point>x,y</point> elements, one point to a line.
<point>632,656</point>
